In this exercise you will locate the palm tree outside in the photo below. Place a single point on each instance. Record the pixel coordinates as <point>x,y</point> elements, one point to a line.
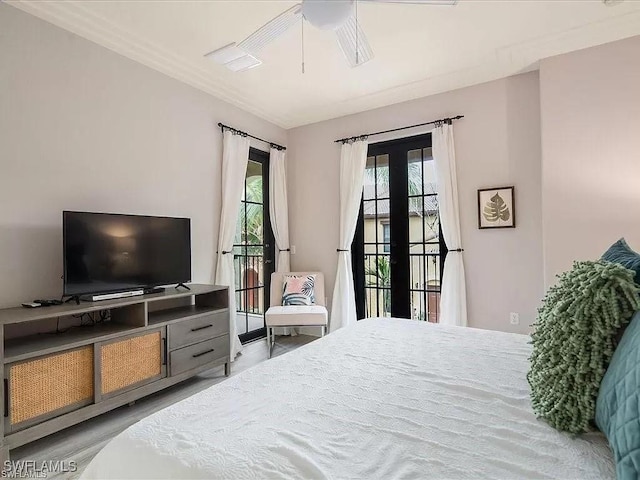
<point>379,277</point>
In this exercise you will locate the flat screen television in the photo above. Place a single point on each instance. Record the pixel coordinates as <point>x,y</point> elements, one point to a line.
<point>106,252</point>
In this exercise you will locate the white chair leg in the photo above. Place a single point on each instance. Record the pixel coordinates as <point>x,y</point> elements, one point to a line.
<point>322,331</point>
<point>268,338</point>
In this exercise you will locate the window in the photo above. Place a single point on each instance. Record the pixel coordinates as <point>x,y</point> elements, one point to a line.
<point>386,237</point>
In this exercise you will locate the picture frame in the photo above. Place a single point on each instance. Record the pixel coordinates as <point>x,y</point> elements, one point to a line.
<point>496,207</point>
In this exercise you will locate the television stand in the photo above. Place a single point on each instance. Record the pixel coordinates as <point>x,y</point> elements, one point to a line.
<point>182,285</point>
<point>59,371</point>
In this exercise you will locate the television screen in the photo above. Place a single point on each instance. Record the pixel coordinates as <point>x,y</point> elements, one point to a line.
<point>106,252</point>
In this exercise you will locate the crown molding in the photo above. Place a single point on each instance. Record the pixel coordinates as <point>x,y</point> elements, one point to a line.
<point>579,38</point>
<point>504,62</point>
<point>72,16</point>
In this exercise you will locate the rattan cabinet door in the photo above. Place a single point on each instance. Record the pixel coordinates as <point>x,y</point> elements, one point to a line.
<point>48,386</point>
<point>131,362</point>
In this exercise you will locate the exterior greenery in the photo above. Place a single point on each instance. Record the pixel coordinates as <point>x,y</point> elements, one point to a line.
<point>380,277</point>
<point>251,217</point>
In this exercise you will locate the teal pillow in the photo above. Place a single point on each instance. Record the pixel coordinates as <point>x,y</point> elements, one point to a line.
<point>618,403</point>
<point>620,252</point>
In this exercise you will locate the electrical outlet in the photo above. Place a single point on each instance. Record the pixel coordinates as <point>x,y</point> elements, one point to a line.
<point>514,318</point>
<point>292,249</point>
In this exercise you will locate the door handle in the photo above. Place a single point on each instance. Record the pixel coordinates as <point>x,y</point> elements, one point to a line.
<point>268,261</point>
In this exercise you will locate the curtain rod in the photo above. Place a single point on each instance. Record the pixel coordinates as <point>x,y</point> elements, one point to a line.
<point>240,132</point>
<point>362,137</point>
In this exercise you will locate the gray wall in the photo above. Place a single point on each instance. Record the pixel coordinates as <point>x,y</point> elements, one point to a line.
<point>83,128</point>
<point>497,143</point>
<point>590,103</point>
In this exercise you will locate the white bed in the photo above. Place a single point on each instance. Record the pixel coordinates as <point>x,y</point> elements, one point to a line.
<point>385,399</point>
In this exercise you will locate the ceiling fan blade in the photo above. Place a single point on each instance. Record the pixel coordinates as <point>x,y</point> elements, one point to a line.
<point>416,2</point>
<point>272,29</point>
<point>353,42</point>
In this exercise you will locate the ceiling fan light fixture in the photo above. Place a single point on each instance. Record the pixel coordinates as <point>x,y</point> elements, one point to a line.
<point>328,15</point>
<point>234,58</point>
<point>341,16</point>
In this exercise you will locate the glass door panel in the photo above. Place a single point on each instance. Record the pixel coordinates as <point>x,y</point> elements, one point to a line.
<point>253,250</point>
<point>377,237</point>
<point>424,235</point>
<point>397,248</point>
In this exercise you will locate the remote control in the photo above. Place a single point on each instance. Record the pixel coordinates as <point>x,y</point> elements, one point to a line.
<point>48,303</point>
<point>31,305</point>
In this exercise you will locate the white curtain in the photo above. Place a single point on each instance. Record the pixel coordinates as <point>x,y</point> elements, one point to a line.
<point>279,212</point>
<point>353,160</point>
<point>453,297</point>
<point>235,156</point>
<point>278,209</point>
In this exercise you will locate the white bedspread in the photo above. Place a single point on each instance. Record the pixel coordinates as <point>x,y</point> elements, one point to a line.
<point>385,399</point>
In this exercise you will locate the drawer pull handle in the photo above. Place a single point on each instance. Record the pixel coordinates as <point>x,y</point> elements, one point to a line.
<point>202,328</point>
<point>6,397</point>
<point>164,351</point>
<point>203,353</point>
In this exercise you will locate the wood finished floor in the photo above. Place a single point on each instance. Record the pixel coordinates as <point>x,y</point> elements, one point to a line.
<point>82,442</point>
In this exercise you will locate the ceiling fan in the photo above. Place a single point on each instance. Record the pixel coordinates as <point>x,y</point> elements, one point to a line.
<point>337,15</point>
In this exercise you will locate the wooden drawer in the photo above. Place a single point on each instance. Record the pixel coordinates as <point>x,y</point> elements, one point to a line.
<point>199,354</point>
<point>194,330</point>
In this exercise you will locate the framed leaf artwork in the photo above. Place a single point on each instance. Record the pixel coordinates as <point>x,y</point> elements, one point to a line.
<point>496,208</point>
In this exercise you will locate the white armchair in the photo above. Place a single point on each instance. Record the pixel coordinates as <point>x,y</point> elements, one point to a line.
<point>279,315</point>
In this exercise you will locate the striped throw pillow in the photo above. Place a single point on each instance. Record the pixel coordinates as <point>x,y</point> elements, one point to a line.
<point>298,290</point>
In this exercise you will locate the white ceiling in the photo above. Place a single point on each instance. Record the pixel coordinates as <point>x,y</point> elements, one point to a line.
<point>419,50</point>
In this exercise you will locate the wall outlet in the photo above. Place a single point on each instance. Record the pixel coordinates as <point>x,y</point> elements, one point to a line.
<point>514,318</point>
<point>292,249</point>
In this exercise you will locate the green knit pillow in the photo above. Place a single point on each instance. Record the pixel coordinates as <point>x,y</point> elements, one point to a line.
<point>573,341</point>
